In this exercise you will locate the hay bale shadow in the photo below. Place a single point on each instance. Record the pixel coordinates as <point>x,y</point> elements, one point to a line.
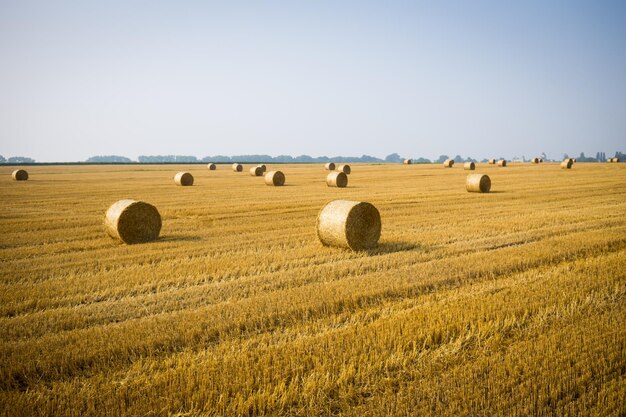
<point>385,248</point>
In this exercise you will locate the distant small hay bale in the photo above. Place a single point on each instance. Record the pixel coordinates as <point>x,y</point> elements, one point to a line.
<point>263,167</point>
<point>408,162</point>
<point>275,178</point>
<point>534,160</point>
<point>345,169</point>
<point>184,179</point>
<point>448,163</point>
<point>330,166</point>
<point>573,159</point>
<point>492,162</point>
<point>502,163</point>
<point>211,167</point>
<point>237,167</point>
<point>349,224</point>
<point>616,160</point>
<point>540,160</point>
<point>567,164</point>
<point>132,221</point>
<point>337,179</point>
<point>256,171</point>
<point>478,183</point>
<point>20,175</point>
<point>469,166</point>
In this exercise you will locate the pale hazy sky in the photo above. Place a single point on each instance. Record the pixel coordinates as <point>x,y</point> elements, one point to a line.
<point>480,79</point>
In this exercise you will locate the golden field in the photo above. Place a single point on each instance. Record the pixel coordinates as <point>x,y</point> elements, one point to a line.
<point>510,303</point>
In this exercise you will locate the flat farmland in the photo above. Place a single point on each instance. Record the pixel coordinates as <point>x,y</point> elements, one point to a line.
<point>506,303</point>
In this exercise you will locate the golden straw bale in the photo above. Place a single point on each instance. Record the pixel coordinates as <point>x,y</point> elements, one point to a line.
<point>345,169</point>
<point>469,166</point>
<point>263,167</point>
<point>567,164</point>
<point>330,166</point>
<point>337,179</point>
<point>349,224</point>
<point>492,162</point>
<point>534,160</point>
<point>132,221</point>
<point>183,178</point>
<point>237,167</point>
<point>256,171</point>
<point>211,167</point>
<point>448,163</point>
<point>20,175</point>
<point>502,163</point>
<point>478,183</point>
<point>408,162</point>
<point>275,178</point>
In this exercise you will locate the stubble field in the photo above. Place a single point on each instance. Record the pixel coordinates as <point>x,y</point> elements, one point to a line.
<point>507,303</point>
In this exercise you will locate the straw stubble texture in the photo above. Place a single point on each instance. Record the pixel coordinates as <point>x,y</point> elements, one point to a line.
<point>349,224</point>
<point>132,221</point>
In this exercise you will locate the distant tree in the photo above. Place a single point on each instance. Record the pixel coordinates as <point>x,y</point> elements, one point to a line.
<point>458,159</point>
<point>393,158</point>
<point>421,161</point>
<point>565,156</point>
<point>2,159</point>
<point>108,158</point>
<point>20,160</point>
<point>441,159</point>
<point>544,156</point>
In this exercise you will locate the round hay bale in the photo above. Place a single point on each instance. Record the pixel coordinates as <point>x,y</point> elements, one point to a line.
<point>132,221</point>
<point>349,224</point>
<point>263,167</point>
<point>183,178</point>
<point>610,160</point>
<point>448,163</point>
<point>574,160</point>
<point>478,183</point>
<point>211,167</point>
<point>345,169</point>
<point>492,162</point>
<point>330,166</point>
<point>567,164</point>
<point>275,178</point>
<point>616,159</point>
<point>534,160</point>
<point>337,179</point>
<point>20,175</point>
<point>540,160</point>
<point>408,162</point>
<point>256,171</point>
<point>469,166</point>
<point>237,167</point>
<point>502,163</point>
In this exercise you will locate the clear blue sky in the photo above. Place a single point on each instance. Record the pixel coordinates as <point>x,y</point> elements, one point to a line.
<point>480,79</point>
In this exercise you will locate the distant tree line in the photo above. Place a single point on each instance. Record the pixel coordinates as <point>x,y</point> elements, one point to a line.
<point>392,158</point>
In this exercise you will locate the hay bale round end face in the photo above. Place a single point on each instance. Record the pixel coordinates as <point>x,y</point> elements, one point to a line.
<point>183,178</point>
<point>502,163</point>
<point>469,166</point>
<point>534,160</point>
<point>256,171</point>
<point>20,175</point>
<point>567,164</point>
<point>492,162</point>
<point>211,167</point>
<point>263,167</point>
<point>237,167</point>
<point>133,221</point>
<point>345,169</point>
<point>275,178</point>
<point>349,224</point>
<point>616,160</point>
<point>329,166</point>
<point>478,183</point>
<point>448,163</point>
<point>408,162</point>
<point>337,179</point>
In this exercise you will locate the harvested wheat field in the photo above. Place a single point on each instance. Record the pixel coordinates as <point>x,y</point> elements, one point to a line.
<point>511,302</point>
